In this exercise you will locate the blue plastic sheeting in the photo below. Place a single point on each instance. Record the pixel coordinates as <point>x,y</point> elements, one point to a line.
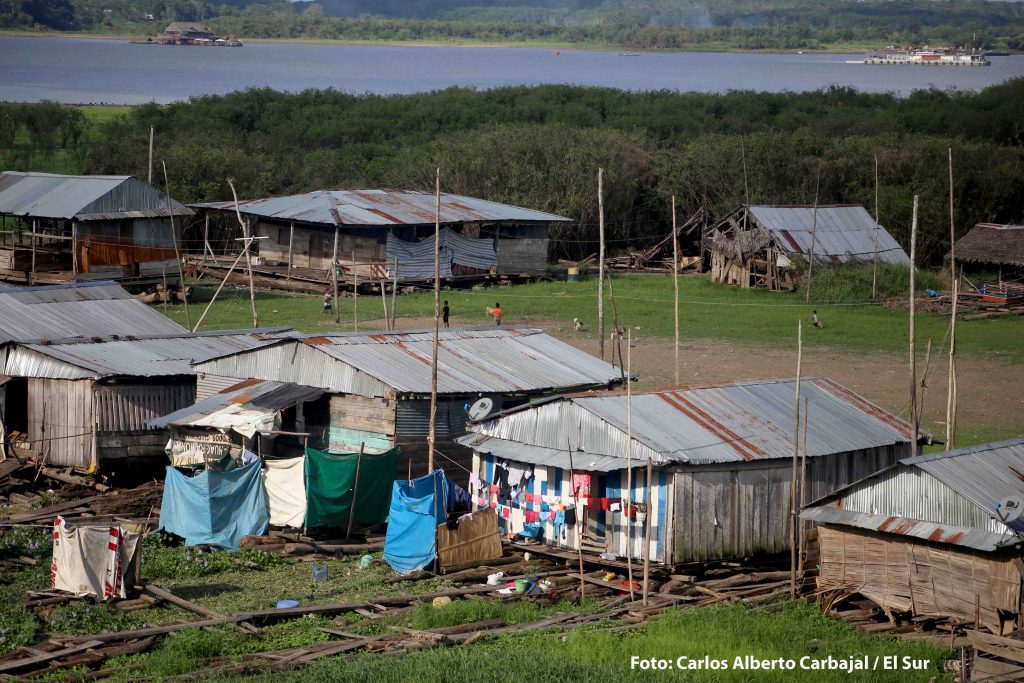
<point>411,539</point>
<point>215,508</point>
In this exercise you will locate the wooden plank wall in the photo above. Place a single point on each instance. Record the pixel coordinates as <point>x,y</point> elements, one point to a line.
<point>313,247</point>
<point>127,407</point>
<point>923,578</point>
<point>522,256</point>
<point>355,419</point>
<point>60,421</point>
<point>744,509</point>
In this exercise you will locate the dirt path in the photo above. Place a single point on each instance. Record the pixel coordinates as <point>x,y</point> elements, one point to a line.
<point>991,392</point>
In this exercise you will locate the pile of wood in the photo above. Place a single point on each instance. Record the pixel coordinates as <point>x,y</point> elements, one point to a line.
<point>658,258</point>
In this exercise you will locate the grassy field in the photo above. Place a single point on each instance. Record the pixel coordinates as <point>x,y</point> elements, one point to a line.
<point>250,580</point>
<point>644,303</point>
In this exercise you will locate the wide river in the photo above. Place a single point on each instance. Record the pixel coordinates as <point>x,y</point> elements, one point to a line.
<point>117,72</point>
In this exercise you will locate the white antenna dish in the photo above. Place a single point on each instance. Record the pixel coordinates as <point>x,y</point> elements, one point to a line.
<point>1011,513</point>
<point>481,409</point>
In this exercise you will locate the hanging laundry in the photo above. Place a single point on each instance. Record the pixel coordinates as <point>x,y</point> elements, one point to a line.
<point>518,473</point>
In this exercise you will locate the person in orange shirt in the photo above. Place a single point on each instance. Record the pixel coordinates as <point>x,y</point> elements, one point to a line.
<point>495,313</point>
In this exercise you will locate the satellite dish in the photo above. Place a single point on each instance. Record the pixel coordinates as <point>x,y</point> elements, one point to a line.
<point>1011,513</point>
<point>481,409</point>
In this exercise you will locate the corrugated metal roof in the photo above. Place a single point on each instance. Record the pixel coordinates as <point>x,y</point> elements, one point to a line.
<point>83,197</point>
<point>149,357</point>
<point>489,360</point>
<point>841,233</point>
<point>701,425</point>
<point>78,310</point>
<point>246,408</point>
<point>933,496</point>
<point>380,207</point>
<point>537,455</point>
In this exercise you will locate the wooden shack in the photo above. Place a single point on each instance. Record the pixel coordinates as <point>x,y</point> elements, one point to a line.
<point>931,536</point>
<point>721,458</point>
<point>756,245</point>
<point>376,234</point>
<point>61,228</point>
<point>379,383</point>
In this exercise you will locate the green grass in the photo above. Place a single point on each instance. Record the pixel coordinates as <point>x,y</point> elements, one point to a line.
<point>644,302</point>
<point>597,655</point>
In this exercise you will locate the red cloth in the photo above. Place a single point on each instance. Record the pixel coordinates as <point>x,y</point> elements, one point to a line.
<point>605,503</point>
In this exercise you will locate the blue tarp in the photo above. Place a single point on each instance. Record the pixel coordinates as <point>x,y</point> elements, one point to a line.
<point>411,539</point>
<point>215,508</point>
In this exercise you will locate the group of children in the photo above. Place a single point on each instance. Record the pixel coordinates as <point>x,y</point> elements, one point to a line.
<point>496,313</point>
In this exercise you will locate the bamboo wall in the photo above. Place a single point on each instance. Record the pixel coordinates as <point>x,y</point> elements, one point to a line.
<point>926,579</point>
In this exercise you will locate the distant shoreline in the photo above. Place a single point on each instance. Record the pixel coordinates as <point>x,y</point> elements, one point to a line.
<point>543,45</point>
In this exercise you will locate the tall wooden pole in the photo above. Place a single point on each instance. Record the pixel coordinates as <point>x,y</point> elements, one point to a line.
<point>222,283</point>
<point>955,287</point>
<point>579,520</point>
<point>914,418</point>
<point>334,275</point>
<point>803,490</point>
<point>74,249</point>
<point>150,177</point>
<point>648,509</point>
<point>814,235</point>
<point>35,229</point>
<point>431,433</point>
<point>355,492</point>
<point>291,242</point>
<point>615,325</point>
<point>794,541</point>
<point>600,262</point>
<point>177,252</point>
<point>206,238</point>
<point>874,261</point>
<point>394,291</point>
<point>247,252</point>
<point>384,302</point>
<point>675,283</point>
<point>629,463</point>
<point>355,301</point>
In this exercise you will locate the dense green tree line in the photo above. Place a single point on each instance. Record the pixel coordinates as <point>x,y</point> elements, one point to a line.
<point>664,24</point>
<point>541,147</point>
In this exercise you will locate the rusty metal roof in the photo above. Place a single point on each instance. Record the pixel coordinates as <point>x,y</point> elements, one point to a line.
<point>954,498</point>
<point>247,407</point>
<point>470,361</point>
<point>83,197</point>
<point>146,357</point>
<point>839,233</point>
<point>68,311</point>
<point>732,422</point>
<point>380,208</point>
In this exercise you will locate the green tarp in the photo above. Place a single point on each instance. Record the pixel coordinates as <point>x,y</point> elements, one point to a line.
<point>330,482</point>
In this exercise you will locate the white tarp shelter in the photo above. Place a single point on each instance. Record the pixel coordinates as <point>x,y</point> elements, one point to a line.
<point>93,560</point>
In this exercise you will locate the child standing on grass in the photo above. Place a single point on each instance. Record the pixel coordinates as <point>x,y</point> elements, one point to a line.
<point>444,313</point>
<point>327,303</point>
<point>495,313</point>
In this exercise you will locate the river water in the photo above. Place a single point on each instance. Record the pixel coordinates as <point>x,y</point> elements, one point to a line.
<point>117,72</point>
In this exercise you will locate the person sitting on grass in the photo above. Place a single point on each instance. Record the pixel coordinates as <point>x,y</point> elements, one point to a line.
<point>815,321</point>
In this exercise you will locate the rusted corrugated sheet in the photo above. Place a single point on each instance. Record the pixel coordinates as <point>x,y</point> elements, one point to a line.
<point>85,197</point>
<point>832,233</point>
<point>77,310</point>
<point>380,208</point>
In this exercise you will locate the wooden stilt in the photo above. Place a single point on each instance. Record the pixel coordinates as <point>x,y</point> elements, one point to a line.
<point>600,262</point>
<point>914,418</point>
<point>628,507</point>
<point>648,509</point>
<point>955,291</point>
<point>675,284</point>
<point>432,430</point>
<point>794,541</point>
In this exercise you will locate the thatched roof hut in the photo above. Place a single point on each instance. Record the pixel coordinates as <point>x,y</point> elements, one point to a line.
<point>989,243</point>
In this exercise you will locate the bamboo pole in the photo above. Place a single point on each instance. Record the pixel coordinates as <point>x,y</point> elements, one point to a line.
<point>675,283</point>
<point>629,464</point>
<point>924,378</point>
<point>952,387</point>
<point>600,262</point>
<point>334,275</point>
<point>150,176</point>
<point>579,518</point>
<point>238,258</point>
<point>955,285</point>
<point>384,302</point>
<point>394,291</point>
<point>796,452</point>
<point>914,418</point>
<point>432,429</point>
<point>291,242</point>
<point>355,492</point>
<point>35,229</point>
<point>647,530</point>
<point>355,301</point>
<point>801,555</point>
<point>177,252</point>
<point>874,261</point>
<point>615,325</point>
<point>247,252</point>
<point>814,236</point>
